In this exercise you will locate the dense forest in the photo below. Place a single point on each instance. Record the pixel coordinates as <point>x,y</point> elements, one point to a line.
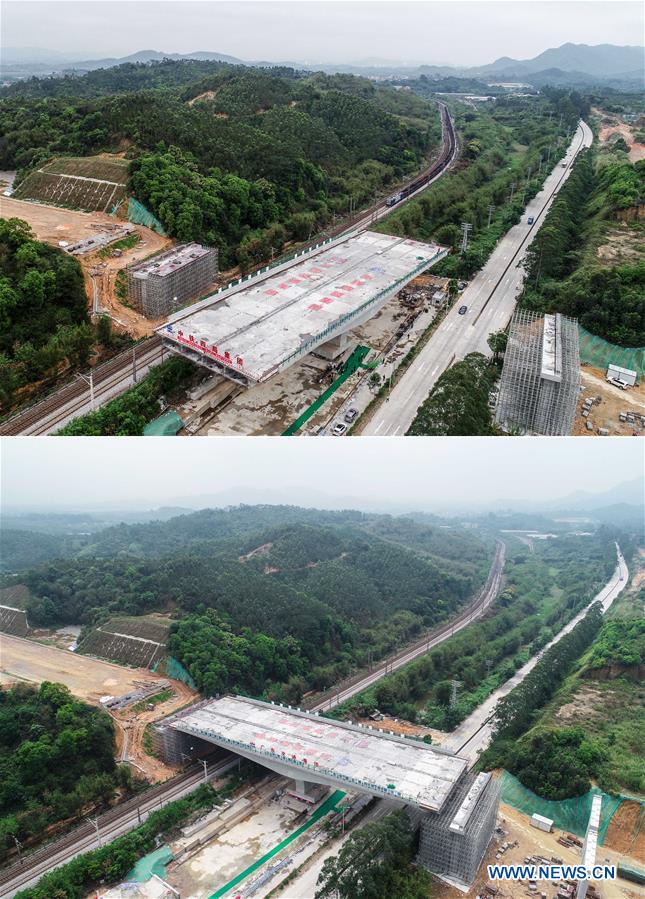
<point>56,759</point>
<point>43,310</point>
<point>564,273</point>
<point>376,860</point>
<point>543,590</point>
<point>292,598</point>
<point>458,403</point>
<point>239,158</point>
<point>502,144</point>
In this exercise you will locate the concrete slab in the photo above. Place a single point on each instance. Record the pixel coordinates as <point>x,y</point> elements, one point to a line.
<point>268,325</point>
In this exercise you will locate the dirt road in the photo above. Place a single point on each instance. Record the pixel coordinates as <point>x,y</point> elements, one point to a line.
<point>87,678</point>
<point>52,224</point>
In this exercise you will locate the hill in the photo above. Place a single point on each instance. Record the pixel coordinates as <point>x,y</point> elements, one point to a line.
<point>599,61</point>
<point>240,158</point>
<point>318,590</point>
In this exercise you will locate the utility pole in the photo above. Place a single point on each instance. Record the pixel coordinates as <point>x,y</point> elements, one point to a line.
<point>134,364</point>
<point>18,847</point>
<point>513,186</point>
<point>95,824</point>
<point>467,228</point>
<point>491,209</point>
<point>454,686</point>
<point>540,165</point>
<point>89,379</point>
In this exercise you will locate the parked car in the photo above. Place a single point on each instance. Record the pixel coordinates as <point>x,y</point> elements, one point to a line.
<point>617,382</point>
<point>463,310</point>
<point>461,285</point>
<point>530,220</point>
<point>338,429</point>
<point>350,415</point>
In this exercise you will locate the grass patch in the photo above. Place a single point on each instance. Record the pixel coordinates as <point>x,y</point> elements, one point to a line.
<point>126,243</point>
<point>153,700</point>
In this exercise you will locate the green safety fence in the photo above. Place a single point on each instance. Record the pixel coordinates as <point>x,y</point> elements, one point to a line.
<point>329,805</point>
<point>354,362</point>
<point>599,353</point>
<point>166,425</point>
<point>152,863</point>
<point>139,215</point>
<point>571,815</point>
<point>176,670</point>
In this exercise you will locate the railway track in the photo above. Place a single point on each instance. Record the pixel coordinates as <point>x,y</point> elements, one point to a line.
<point>110,824</point>
<point>113,377</point>
<point>108,381</point>
<point>432,639</point>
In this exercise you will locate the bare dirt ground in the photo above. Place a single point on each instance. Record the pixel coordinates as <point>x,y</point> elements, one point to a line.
<point>623,834</point>
<point>534,842</point>
<point>105,277</point>
<point>613,401</point>
<point>623,244</point>
<point>87,678</point>
<point>406,728</point>
<point>52,224</point>
<point>612,124</point>
<point>134,723</point>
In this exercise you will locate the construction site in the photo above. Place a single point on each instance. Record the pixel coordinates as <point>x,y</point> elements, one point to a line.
<point>276,321</point>
<point>540,380</point>
<point>165,283</point>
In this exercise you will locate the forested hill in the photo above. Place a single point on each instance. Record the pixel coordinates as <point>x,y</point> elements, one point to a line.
<point>240,158</point>
<point>313,591</point>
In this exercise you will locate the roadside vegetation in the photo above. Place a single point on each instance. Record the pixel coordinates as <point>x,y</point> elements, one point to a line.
<point>502,143</point>
<point>56,761</point>
<point>130,413</point>
<point>458,403</point>
<point>376,861</point>
<point>594,727</point>
<point>543,590</point>
<point>565,273</point>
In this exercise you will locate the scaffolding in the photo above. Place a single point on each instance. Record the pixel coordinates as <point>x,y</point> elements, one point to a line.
<point>453,842</point>
<point>540,380</point>
<point>163,284</point>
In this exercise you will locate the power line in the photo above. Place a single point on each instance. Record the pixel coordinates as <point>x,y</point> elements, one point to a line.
<point>467,228</point>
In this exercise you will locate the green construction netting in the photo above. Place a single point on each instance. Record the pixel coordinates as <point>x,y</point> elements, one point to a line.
<point>153,863</point>
<point>139,215</point>
<point>166,425</point>
<point>177,671</point>
<point>354,362</point>
<point>597,352</point>
<point>571,815</point>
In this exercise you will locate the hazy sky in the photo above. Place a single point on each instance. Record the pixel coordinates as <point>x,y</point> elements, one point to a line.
<point>456,32</point>
<point>416,473</point>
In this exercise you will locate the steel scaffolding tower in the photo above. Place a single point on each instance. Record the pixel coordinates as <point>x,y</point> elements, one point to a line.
<point>453,842</point>
<point>164,283</point>
<point>540,380</point>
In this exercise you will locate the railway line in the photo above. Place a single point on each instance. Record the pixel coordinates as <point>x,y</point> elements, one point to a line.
<point>473,611</point>
<point>115,376</point>
<point>127,815</point>
<point>111,824</point>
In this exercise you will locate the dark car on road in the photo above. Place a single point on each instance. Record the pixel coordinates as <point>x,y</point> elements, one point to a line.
<point>529,221</point>
<point>350,415</point>
<point>463,310</point>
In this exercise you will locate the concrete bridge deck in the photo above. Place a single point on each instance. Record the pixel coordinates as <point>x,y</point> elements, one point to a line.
<point>309,748</point>
<point>270,324</point>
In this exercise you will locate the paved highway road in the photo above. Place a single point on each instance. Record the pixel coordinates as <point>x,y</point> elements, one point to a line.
<point>490,298</point>
<point>473,735</point>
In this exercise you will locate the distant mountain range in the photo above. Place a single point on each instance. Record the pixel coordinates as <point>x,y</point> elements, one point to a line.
<point>572,64</point>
